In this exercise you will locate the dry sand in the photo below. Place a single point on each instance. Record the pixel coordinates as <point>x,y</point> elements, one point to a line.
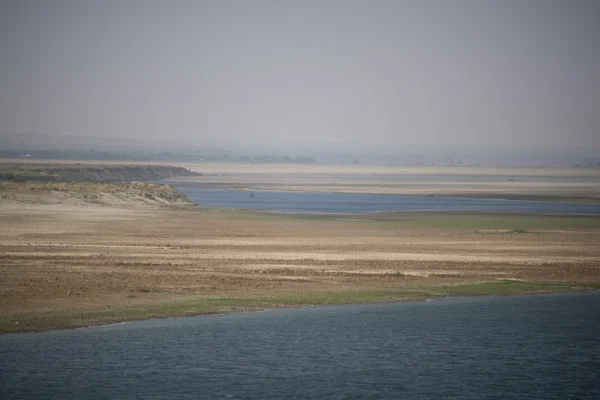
<point>55,257</point>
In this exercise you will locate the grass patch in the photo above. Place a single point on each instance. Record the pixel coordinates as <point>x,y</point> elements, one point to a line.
<point>503,288</point>
<point>497,221</point>
<point>442,220</point>
<point>203,305</point>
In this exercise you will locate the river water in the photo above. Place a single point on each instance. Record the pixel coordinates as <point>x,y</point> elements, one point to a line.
<point>348,203</point>
<point>526,347</point>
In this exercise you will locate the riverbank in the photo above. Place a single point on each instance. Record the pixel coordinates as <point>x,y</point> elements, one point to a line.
<point>66,266</point>
<point>197,306</point>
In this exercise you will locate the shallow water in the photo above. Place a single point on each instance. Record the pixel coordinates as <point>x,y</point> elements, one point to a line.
<point>531,347</point>
<point>347,203</point>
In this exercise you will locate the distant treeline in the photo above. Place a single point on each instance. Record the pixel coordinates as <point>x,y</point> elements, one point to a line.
<point>98,155</point>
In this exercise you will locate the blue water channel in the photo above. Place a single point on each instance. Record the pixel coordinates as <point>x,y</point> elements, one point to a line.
<point>349,203</point>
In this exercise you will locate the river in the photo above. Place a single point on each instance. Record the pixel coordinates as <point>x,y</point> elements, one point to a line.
<point>350,203</point>
<point>522,347</point>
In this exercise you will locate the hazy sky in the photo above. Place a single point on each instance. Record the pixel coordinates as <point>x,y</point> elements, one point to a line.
<point>392,73</point>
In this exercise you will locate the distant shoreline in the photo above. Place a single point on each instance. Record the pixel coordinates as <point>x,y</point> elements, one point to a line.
<point>499,196</point>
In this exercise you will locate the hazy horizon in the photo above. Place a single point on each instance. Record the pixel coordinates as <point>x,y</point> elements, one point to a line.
<point>305,74</point>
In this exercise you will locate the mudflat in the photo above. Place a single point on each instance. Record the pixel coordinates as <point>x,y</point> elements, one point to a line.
<point>67,266</point>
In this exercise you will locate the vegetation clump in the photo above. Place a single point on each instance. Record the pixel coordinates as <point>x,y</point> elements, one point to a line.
<point>90,173</point>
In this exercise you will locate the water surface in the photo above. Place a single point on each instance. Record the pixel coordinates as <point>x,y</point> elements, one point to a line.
<point>531,347</point>
<point>349,203</point>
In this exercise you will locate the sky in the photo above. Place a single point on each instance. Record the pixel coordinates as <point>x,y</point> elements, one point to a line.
<point>388,74</point>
